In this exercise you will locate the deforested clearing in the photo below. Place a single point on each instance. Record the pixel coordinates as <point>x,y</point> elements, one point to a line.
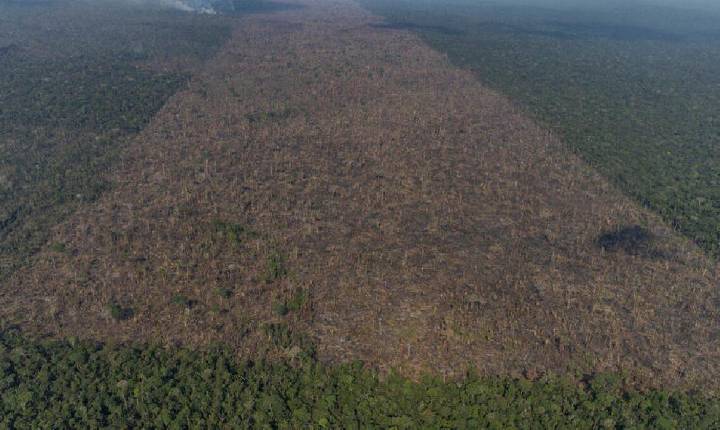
<point>327,179</point>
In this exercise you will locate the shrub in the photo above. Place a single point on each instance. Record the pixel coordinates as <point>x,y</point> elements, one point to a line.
<point>58,247</point>
<point>120,313</point>
<point>295,303</point>
<point>224,292</point>
<point>182,300</point>
<point>232,232</point>
<point>275,267</point>
<point>280,308</point>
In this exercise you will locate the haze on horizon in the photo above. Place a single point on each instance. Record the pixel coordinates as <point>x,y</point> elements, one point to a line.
<point>707,5</point>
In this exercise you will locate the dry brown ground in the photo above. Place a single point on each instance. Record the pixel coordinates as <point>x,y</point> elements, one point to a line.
<point>432,224</point>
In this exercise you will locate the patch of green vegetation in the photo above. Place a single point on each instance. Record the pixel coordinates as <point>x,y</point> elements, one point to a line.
<point>632,88</point>
<point>280,308</point>
<point>298,299</point>
<point>182,300</point>
<point>233,232</point>
<point>224,292</point>
<point>293,304</point>
<point>58,247</point>
<point>275,267</point>
<point>90,385</point>
<point>120,313</point>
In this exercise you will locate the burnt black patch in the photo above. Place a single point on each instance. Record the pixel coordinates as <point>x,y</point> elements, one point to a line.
<point>634,240</point>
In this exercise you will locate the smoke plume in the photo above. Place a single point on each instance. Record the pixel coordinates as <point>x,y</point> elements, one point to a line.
<point>197,6</point>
